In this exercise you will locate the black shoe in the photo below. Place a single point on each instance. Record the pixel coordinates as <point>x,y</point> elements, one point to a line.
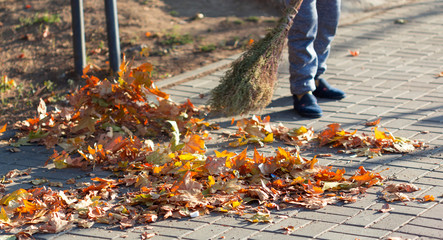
<point>324,90</point>
<point>307,106</point>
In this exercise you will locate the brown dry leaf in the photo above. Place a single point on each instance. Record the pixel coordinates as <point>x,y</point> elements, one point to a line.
<point>289,230</point>
<point>396,196</point>
<point>147,235</point>
<point>385,208</point>
<point>18,173</point>
<point>58,222</point>
<point>401,187</point>
<point>263,196</point>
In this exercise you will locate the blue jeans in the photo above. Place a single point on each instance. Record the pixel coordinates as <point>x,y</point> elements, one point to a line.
<point>309,42</point>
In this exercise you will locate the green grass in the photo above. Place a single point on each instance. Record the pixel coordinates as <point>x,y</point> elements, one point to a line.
<point>174,13</point>
<point>208,48</point>
<point>39,18</point>
<point>253,19</point>
<point>174,39</point>
<point>238,22</point>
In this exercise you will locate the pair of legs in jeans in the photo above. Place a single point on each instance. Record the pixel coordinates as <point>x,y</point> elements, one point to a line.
<point>309,44</point>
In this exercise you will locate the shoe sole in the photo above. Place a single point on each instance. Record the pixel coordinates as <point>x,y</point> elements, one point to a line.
<point>309,115</point>
<point>337,98</point>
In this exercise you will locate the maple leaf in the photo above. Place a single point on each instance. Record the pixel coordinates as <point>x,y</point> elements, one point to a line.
<point>57,222</point>
<point>327,135</point>
<point>188,184</point>
<point>263,196</point>
<point>216,165</point>
<point>396,196</point>
<point>363,177</point>
<point>195,144</point>
<point>401,187</point>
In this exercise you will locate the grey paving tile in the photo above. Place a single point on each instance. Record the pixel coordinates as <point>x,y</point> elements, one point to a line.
<point>325,217</point>
<point>392,222</point>
<point>366,218</point>
<point>367,232</point>
<point>96,232</point>
<point>272,235</point>
<point>335,236</point>
<point>421,231</point>
<point>208,232</point>
<point>427,222</point>
<point>240,223</point>
<point>313,229</point>
<point>294,222</point>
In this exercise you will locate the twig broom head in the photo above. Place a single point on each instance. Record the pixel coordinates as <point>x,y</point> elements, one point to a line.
<point>249,83</point>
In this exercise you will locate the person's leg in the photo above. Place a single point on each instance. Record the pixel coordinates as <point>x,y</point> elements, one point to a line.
<point>328,15</point>
<point>302,56</point>
<point>303,60</point>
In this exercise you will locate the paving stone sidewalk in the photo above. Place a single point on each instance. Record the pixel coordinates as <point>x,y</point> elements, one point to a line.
<point>394,77</point>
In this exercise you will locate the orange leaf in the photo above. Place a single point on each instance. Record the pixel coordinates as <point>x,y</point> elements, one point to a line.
<point>195,145</point>
<point>159,93</point>
<point>373,123</point>
<point>428,198</point>
<point>86,70</point>
<point>354,53</point>
<point>3,128</point>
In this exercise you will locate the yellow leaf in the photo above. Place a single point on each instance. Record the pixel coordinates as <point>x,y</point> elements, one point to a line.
<point>236,204</point>
<point>301,130</point>
<point>225,153</point>
<point>157,169</point>
<point>211,181</point>
<point>15,196</point>
<point>379,134</point>
<point>297,180</point>
<point>269,138</point>
<point>4,217</point>
<point>187,157</point>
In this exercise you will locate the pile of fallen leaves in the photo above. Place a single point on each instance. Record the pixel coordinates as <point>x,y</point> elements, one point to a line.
<point>155,151</point>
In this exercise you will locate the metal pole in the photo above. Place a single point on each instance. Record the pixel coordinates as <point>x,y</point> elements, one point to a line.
<point>78,29</point>
<point>113,34</point>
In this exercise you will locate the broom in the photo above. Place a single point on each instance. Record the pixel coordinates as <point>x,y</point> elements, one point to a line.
<point>249,82</point>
